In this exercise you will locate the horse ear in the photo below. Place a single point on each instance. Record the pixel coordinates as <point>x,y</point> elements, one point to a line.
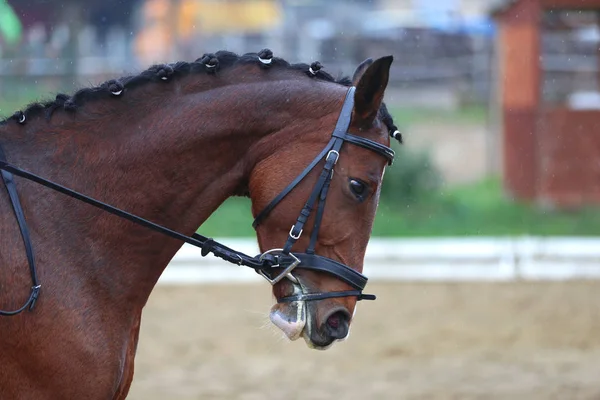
<point>370,87</point>
<point>360,70</point>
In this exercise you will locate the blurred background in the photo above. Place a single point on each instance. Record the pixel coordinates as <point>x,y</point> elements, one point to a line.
<point>485,252</point>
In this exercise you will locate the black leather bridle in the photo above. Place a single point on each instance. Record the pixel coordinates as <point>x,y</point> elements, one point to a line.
<point>309,260</point>
<point>273,265</point>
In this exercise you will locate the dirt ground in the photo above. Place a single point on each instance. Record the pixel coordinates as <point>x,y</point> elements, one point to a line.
<point>417,341</point>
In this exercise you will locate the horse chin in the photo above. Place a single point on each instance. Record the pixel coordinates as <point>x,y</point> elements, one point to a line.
<point>312,345</point>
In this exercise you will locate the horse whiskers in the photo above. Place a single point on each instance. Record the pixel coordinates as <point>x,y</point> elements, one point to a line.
<point>265,324</point>
<point>254,312</point>
<point>274,331</point>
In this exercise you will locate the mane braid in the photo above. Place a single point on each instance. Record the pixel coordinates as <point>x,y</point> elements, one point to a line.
<point>164,73</point>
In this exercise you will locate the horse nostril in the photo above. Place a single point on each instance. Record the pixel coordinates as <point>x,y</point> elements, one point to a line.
<point>334,321</point>
<point>337,324</point>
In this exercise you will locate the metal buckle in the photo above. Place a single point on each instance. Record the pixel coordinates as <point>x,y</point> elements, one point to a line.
<point>292,235</point>
<point>337,156</point>
<point>241,260</point>
<point>286,272</point>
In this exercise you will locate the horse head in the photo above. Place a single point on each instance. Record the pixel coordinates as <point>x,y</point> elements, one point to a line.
<point>324,213</point>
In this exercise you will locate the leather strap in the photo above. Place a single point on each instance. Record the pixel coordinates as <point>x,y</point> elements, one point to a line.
<point>11,188</point>
<point>341,127</point>
<point>328,295</point>
<point>314,262</point>
<point>319,217</point>
<point>324,179</point>
<point>267,210</point>
<point>371,145</point>
<point>206,244</point>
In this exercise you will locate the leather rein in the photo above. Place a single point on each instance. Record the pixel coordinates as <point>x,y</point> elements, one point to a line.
<point>274,264</point>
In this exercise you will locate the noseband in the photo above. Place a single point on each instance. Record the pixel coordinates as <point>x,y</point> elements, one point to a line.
<point>273,265</point>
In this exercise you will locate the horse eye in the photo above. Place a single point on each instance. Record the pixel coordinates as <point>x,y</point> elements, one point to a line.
<point>357,187</point>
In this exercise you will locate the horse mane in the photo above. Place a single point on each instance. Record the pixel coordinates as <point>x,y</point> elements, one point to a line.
<point>209,63</point>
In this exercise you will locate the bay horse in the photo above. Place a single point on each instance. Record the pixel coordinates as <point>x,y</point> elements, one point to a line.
<point>104,186</point>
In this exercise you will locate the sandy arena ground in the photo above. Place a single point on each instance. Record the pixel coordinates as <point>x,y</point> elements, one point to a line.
<point>417,341</point>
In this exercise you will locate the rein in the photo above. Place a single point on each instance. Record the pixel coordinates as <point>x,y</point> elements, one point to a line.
<point>264,264</point>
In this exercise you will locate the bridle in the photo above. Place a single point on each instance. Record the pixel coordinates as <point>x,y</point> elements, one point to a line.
<point>275,264</point>
<point>309,260</point>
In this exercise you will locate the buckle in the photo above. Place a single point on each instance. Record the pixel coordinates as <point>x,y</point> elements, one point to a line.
<point>295,237</point>
<point>286,272</point>
<point>334,152</point>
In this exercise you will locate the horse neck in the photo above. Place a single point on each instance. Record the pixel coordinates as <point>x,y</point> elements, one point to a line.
<point>172,162</point>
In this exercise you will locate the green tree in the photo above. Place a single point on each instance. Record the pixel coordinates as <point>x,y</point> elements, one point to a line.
<point>10,25</point>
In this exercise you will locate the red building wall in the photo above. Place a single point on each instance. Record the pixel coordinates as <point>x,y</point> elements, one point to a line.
<point>518,49</point>
<point>551,154</point>
<point>568,167</point>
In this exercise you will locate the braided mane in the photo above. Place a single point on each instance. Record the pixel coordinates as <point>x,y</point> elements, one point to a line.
<point>209,63</point>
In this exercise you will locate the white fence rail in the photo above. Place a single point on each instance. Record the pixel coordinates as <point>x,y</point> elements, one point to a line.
<point>445,259</point>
